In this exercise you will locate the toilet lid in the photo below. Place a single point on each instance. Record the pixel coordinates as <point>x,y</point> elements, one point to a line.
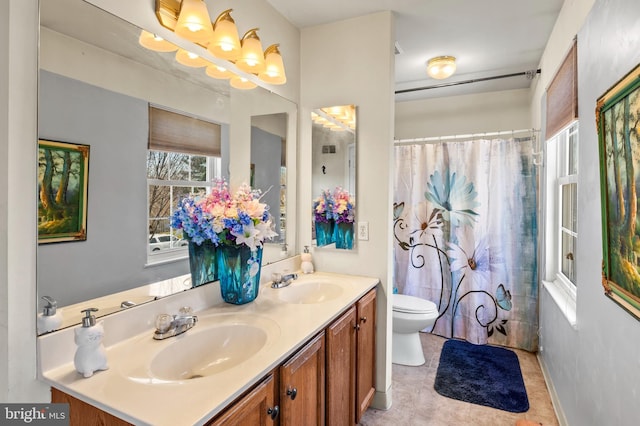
<point>412,304</point>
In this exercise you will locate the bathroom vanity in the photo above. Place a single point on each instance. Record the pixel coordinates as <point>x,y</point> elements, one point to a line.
<point>300,354</point>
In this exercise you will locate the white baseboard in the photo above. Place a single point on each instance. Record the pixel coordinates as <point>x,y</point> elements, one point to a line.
<point>555,401</point>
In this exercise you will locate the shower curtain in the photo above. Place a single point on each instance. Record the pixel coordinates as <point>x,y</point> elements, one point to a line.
<point>465,228</point>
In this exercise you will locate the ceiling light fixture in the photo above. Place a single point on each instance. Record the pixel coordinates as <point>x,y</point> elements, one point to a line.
<point>441,67</point>
<point>190,20</point>
<point>225,43</point>
<point>194,23</point>
<point>273,72</point>
<point>155,42</point>
<point>252,58</point>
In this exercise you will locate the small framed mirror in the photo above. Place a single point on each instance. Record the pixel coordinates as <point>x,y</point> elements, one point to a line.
<point>333,142</point>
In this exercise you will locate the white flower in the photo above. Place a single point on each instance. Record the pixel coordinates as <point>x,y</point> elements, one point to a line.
<point>265,231</point>
<point>248,236</point>
<point>476,260</point>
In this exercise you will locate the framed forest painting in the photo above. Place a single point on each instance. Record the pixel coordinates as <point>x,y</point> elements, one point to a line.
<point>63,170</point>
<point>618,123</point>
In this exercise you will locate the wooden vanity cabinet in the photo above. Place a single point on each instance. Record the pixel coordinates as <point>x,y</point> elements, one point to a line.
<point>83,414</point>
<point>302,385</point>
<point>365,352</point>
<point>256,408</point>
<point>341,369</point>
<point>351,362</point>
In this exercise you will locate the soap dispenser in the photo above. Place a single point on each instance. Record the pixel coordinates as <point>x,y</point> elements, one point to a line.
<point>50,319</point>
<point>306,265</point>
<point>90,354</point>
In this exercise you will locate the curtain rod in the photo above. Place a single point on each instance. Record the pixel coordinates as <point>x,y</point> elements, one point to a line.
<point>467,136</point>
<point>530,74</point>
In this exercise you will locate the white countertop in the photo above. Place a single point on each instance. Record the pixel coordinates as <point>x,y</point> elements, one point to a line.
<point>142,399</point>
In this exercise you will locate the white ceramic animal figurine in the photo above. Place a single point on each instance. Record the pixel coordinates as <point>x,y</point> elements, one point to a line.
<point>306,265</point>
<point>90,354</point>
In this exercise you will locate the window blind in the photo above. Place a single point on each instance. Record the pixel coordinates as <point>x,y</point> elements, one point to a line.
<point>562,94</point>
<point>170,131</point>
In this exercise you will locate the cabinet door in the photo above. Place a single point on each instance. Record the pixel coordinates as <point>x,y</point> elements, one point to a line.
<point>83,414</point>
<point>366,352</point>
<point>302,386</point>
<point>341,370</point>
<point>257,408</point>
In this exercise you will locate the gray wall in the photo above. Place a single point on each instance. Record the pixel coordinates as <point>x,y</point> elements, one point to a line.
<point>113,257</point>
<point>266,156</point>
<point>595,370</point>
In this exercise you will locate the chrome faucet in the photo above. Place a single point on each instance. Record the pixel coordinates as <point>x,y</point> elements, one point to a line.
<point>280,281</point>
<point>173,325</point>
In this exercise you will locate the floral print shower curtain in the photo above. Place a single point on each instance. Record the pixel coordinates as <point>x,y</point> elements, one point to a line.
<point>465,228</point>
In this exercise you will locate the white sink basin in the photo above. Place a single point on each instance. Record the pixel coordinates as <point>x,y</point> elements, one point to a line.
<point>309,292</point>
<point>216,344</point>
<point>208,352</point>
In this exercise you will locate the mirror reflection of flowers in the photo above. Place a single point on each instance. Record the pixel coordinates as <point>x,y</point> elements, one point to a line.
<point>323,207</point>
<point>225,218</point>
<point>343,206</point>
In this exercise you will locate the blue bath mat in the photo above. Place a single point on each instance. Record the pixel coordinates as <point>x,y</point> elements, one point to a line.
<point>483,375</point>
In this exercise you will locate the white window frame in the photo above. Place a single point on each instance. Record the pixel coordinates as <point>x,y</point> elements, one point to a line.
<point>214,171</point>
<point>559,286</point>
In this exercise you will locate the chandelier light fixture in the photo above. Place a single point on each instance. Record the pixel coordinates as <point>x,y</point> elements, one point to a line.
<point>441,67</point>
<point>190,19</point>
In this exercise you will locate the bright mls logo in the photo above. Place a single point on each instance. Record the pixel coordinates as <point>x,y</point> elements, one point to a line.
<point>36,414</point>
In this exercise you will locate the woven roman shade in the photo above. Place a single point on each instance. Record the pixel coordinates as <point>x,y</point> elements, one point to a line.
<point>170,131</point>
<point>562,94</point>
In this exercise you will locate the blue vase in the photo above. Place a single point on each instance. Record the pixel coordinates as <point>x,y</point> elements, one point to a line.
<point>239,273</point>
<point>344,235</point>
<point>202,262</point>
<point>324,232</point>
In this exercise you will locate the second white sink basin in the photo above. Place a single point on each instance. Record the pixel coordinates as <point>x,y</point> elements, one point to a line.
<point>309,292</point>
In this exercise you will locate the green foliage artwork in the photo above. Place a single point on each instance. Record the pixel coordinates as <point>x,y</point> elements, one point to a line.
<point>618,122</point>
<point>62,191</point>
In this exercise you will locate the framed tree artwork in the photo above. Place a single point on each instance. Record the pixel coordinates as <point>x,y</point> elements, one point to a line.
<point>618,123</point>
<point>63,170</point>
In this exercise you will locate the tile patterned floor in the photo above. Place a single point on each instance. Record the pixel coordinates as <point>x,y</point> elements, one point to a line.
<point>416,403</point>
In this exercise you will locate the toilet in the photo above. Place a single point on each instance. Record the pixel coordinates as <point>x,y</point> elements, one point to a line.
<point>410,315</point>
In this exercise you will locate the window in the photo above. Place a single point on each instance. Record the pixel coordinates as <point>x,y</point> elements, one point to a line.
<point>184,158</point>
<point>562,208</point>
<point>171,176</point>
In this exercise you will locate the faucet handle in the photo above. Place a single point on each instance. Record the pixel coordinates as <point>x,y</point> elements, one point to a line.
<point>276,277</point>
<point>163,323</point>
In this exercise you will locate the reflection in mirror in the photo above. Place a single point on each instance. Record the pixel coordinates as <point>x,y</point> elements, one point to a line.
<point>97,86</point>
<point>269,167</point>
<point>333,142</point>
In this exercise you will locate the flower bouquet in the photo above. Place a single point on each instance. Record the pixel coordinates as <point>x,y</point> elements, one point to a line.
<point>236,224</point>
<point>323,218</point>
<point>343,214</point>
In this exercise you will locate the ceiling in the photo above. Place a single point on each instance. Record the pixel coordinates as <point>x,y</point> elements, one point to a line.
<point>489,38</point>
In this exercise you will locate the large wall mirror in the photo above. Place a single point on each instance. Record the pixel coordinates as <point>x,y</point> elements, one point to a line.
<point>333,141</point>
<point>99,87</point>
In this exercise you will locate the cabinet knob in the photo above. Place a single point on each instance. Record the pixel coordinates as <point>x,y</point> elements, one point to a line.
<point>357,326</point>
<point>273,412</point>
<point>292,393</point>
<point>363,319</point>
